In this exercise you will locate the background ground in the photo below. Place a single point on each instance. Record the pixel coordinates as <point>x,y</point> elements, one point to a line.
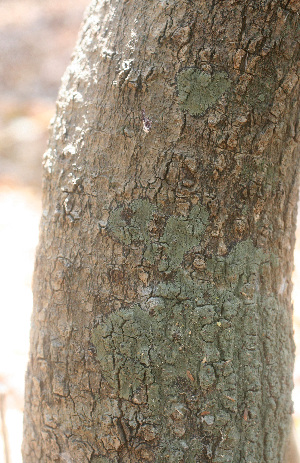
<point>36,41</point>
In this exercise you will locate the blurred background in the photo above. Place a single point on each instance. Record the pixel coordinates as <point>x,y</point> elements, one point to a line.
<point>36,42</point>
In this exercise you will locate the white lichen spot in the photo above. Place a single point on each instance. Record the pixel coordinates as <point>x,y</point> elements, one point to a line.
<point>77,97</point>
<point>48,160</point>
<point>107,53</point>
<point>73,179</point>
<point>126,64</point>
<point>69,150</point>
<point>102,223</point>
<point>132,42</point>
<point>68,205</point>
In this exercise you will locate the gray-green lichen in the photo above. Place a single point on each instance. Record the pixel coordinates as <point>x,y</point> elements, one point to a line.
<point>188,359</point>
<point>131,224</point>
<point>199,90</point>
<point>181,234</point>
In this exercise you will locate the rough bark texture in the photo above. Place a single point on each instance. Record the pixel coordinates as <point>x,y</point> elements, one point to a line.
<point>162,325</point>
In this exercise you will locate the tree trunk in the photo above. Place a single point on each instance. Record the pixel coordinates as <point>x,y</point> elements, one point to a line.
<point>162,324</point>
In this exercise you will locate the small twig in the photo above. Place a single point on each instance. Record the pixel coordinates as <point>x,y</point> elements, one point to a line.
<point>4,428</point>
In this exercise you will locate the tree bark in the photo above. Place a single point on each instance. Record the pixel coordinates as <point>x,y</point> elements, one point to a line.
<point>162,324</point>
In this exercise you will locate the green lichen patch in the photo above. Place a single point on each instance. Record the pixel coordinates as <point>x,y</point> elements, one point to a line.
<point>182,234</point>
<point>178,326</point>
<point>199,90</point>
<point>131,224</point>
<point>188,358</point>
<point>137,348</point>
